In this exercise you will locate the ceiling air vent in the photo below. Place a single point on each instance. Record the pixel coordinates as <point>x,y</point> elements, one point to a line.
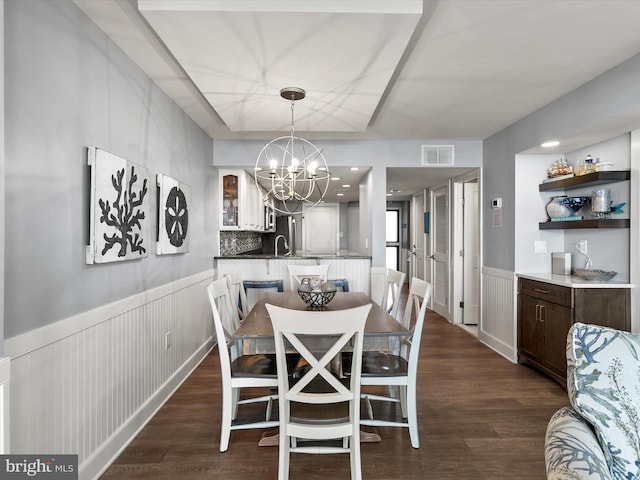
<point>437,154</point>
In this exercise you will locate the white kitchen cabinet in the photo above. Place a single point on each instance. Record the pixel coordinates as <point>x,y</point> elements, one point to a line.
<point>242,205</point>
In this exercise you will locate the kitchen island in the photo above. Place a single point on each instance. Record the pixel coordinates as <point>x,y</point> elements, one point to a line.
<point>354,268</point>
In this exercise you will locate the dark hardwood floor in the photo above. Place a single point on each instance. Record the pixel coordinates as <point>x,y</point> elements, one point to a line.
<point>481,417</point>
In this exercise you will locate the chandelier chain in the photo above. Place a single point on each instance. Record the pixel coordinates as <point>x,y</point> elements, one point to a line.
<point>292,129</point>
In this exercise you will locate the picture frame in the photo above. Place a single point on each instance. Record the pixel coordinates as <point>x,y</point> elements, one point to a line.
<point>172,234</point>
<point>119,209</point>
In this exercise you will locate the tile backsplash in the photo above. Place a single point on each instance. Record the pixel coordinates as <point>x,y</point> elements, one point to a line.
<point>234,243</point>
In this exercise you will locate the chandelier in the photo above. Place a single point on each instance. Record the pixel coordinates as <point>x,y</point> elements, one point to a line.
<point>290,169</point>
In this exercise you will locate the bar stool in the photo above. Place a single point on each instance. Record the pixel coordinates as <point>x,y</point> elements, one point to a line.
<point>255,288</point>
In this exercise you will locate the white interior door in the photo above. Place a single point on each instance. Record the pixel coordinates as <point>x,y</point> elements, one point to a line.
<point>440,222</point>
<point>320,226</point>
<point>418,239</point>
<point>471,216</point>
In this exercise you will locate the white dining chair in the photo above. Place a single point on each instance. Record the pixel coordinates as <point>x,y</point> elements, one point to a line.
<point>240,371</point>
<point>399,369</point>
<point>298,272</point>
<point>393,288</point>
<point>238,293</point>
<point>294,329</point>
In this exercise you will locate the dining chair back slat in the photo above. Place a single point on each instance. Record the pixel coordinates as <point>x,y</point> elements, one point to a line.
<point>391,296</point>
<point>238,294</point>
<point>219,292</point>
<point>298,272</point>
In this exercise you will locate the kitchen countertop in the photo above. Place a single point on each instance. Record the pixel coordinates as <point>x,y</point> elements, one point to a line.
<point>573,281</point>
<point>271,256</point>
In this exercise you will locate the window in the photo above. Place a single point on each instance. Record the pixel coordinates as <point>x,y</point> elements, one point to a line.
<point>393,239</point>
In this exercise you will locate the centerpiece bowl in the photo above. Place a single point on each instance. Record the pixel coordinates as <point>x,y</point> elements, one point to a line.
<point>317,297</point>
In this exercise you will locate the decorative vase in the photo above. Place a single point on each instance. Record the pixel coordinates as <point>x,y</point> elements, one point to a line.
<point>601,203</point>
<point>557,209</point>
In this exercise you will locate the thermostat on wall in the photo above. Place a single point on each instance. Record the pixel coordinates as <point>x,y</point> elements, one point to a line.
<point>496,202</point>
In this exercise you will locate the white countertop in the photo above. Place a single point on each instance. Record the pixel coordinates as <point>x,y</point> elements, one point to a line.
<point>574,282</point>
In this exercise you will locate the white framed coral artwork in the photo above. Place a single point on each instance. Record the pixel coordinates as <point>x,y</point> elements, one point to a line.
<point>119,209</point>
<point>173,216</point>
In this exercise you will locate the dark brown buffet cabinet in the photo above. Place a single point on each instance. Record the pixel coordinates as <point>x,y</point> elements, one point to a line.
<point>546,311</point>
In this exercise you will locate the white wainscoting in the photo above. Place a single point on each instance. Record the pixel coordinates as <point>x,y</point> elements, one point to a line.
<point>498,325</point>
<point>87,384</point>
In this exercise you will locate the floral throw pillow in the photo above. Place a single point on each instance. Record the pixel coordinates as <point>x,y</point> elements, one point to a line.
<point>603,382</point>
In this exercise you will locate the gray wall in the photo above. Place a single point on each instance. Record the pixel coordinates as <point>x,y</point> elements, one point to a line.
<point>68,87</point>
<point>608,105</point>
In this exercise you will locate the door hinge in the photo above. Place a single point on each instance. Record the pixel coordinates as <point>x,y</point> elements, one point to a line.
<point>461,304</point>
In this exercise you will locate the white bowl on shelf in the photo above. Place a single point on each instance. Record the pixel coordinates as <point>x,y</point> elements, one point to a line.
<point>605,166</point>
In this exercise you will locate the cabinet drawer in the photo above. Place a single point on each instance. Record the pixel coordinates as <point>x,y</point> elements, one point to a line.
<point>546,291</point>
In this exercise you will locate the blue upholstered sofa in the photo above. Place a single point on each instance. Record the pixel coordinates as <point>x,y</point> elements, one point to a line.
<point>598,436</point>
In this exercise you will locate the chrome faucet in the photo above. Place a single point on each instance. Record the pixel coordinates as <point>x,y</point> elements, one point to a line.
<point>275,245</point>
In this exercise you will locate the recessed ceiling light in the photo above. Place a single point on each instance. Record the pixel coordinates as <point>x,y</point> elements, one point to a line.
<point>354,169</point>
<point>335,178</point>
<point>395,190</point>
<point>346,185</point>
<point>389,194</point>
<point>552,143</point>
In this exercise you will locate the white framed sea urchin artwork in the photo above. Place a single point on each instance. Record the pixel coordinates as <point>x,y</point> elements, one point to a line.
<point>173,216</point>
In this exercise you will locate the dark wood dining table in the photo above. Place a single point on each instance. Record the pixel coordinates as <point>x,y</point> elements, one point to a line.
<point>256,333</point>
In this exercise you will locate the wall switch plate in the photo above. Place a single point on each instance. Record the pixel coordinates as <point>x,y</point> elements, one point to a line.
<point>540,246</point>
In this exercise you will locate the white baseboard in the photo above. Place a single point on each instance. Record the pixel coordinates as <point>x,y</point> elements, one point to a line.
<point>507,351</point>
